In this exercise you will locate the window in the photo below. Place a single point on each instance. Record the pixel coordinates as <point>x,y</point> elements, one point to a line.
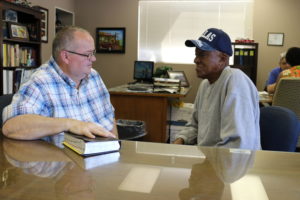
<point>165,25</point>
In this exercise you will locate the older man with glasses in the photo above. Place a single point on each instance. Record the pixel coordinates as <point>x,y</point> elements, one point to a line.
<point>64,94</point>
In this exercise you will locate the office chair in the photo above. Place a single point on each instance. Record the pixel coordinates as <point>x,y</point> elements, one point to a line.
<point>279,129</point>
<point>4,101</point>
<point>287,94</point>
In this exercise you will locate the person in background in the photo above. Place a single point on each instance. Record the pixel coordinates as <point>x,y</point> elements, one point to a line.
<point>64,94</point>
<point>293,59</point>
<point>226,111</point>
<point>271,82</point>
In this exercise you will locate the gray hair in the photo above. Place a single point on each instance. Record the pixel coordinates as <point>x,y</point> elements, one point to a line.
<point>64,39</point>
<point>282,55</point>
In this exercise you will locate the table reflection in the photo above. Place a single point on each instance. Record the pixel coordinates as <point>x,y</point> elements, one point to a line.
<point>39,159</point>
<point>221,167</point>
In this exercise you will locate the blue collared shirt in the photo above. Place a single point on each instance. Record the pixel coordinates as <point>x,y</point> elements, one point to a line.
<point>51,93</point>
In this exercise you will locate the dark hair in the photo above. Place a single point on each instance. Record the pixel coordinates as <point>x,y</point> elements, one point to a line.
<point>293,56</point>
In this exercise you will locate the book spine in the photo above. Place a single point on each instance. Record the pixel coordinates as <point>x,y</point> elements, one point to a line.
<point>71,147</point>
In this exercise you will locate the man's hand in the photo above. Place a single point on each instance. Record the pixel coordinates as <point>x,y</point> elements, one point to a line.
<point>178,141</point>
<point>88,129</point>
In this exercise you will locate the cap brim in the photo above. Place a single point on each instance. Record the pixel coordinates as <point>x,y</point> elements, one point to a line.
<point>199,44</point>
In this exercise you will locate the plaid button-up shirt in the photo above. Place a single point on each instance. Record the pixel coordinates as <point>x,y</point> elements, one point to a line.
<point>49,92</point>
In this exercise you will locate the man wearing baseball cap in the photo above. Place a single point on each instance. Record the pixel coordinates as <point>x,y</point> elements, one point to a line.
<point>226,112</point>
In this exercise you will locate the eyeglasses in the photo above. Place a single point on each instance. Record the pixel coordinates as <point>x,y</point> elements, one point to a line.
<point>88,56</point>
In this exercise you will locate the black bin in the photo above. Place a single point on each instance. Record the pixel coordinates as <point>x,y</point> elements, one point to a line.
<point>131,129</point>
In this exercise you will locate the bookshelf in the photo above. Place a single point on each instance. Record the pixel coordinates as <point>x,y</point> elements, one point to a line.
<point>20,42</point>
<point>245,58</point>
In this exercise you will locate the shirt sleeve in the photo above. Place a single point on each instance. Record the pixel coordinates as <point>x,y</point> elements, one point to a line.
<point>240,117</point>
<point>190,132</point>
<point>273,76</point>
<point>28,100</point>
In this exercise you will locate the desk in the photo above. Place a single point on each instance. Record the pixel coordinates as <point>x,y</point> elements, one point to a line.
<point>32,170</point>
<point>146,106</point>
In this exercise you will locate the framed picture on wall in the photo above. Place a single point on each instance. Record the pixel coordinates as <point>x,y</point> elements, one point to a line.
<point>110,40</point>
<point>44,23</point>
<point>275,39</point>
<point>181,76</point>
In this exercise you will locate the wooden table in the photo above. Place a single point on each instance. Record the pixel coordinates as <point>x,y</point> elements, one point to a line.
<point>145,106</point>
<point>34,170</point>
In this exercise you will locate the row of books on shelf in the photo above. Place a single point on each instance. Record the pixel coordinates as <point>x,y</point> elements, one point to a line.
<point>15,55</point>
<point>244,57</point>
<point>12,79</point>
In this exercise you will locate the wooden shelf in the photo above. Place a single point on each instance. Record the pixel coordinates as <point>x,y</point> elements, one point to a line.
<point>21,41</point>
<point>245,58</point>
<point>20,49</point>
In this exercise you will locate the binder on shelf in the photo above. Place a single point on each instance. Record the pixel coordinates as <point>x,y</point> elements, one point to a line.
<point>236,57</point>
<point>4,55</point>
<point>246,57</point>
<point>4,82</point>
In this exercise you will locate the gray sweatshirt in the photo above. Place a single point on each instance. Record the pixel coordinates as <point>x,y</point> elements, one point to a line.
<point>226,113</point>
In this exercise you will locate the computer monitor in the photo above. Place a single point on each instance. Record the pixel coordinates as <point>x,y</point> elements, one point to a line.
<point>143,71</point>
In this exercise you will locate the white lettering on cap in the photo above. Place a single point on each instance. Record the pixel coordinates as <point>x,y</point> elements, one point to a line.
<point>209,36</point>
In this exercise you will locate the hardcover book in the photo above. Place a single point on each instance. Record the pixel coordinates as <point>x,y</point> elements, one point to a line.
<point>87,146</point>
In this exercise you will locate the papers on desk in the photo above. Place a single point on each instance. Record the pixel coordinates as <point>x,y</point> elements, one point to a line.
<point>166,85</point>
<point>165,90</point>
<point>263,93</point>
<point>264,96</point>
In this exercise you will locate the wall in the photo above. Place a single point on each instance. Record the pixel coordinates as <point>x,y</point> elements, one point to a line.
<point>51,5</point>
<point>274,16</point>
<point>115,69</point>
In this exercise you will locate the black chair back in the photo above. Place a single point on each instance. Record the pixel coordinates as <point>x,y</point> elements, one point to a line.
<point>4,101</point>
<point>279,129</point>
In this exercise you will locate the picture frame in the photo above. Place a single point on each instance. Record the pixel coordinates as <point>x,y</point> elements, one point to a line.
<point>44,23</point>
<point>11,15</point>
<point>181,76</point>
<point>275,39</point>
<point>110,40</point>
<point>18,31</point>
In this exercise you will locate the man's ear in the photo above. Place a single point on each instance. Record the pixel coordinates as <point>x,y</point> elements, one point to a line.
<point>224,59</point>
<point>64,56</point>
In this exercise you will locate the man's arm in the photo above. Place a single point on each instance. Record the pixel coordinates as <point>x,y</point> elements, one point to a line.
<point>271,88</point>
<point>30,127</point>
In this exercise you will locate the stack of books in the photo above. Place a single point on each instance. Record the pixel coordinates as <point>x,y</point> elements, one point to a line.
<point>167,85</point>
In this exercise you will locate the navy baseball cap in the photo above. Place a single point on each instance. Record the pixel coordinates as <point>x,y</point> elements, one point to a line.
<point>212,39</point>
